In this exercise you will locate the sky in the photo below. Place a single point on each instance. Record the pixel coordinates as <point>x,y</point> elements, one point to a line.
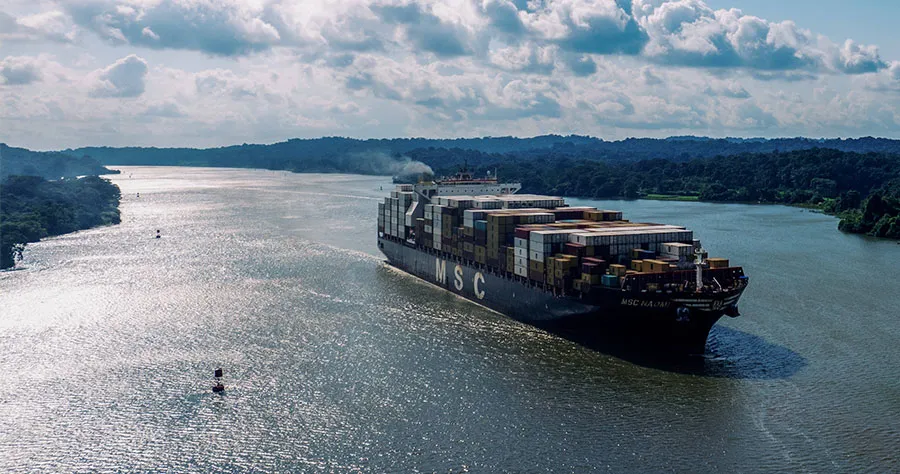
<point>205,73</point>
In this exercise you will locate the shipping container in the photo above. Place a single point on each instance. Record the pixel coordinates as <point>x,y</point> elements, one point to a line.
<point>677,249</point>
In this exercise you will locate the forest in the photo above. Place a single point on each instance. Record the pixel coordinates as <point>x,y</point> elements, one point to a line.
<point>49,165</point>
<point>33,208</point>
<point>349,155</point>
<point>862,189</point>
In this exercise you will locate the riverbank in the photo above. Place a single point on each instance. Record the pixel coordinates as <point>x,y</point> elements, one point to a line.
<point>879,219</point>
<point>34,208</point>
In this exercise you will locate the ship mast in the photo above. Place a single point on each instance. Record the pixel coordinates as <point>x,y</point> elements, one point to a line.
<point>698,262</point>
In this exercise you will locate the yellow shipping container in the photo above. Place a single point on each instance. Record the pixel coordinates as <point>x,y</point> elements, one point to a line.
<point>717,262</point>
<point>637,265</point>
<point>592,279</point>
<point>617,270</point>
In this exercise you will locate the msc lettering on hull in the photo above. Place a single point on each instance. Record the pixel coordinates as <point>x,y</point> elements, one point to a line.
<point>440,276</point>
<point>440,271</point>
<point>644,303</point>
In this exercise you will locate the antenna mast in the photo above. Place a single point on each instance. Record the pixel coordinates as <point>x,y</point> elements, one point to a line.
<point>698,262</point>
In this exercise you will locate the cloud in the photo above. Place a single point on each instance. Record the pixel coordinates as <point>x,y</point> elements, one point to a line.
<point>19,70</point>
<point>224,28</point>
<point>588,26</point>
<point>859,59</point>
<point>53,25</point>
<point>123,78</point>
<point>686,33</point>
<point>731,89</point>
<point>689,33</point>
<point>426,31</point>
<point>504,16</point>
<point>526,58</point>
<point>581,65</point>
<point>167,109</point>
<point>887,80</point>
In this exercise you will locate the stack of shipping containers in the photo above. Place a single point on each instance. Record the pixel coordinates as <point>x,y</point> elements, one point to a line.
<point>538,238</point>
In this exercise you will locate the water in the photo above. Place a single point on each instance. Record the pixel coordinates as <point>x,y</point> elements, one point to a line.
<point>336,363</point>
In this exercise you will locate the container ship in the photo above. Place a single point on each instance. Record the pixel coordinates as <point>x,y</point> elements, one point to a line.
<point>566,269</point>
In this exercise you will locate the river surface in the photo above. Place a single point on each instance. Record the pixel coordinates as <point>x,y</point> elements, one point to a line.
<point>336,363</point>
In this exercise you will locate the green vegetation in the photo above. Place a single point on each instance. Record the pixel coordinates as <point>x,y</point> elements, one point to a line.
<point>32,208</point>
<point>862,189</point>
<point>670,197</point>
<point>47,164</point>
<point>879,216</point>
<point>374,156</point>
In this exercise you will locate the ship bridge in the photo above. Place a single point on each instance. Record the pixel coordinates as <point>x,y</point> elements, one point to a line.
<point>464,183</point>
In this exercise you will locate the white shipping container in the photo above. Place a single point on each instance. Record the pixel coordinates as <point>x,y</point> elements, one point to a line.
<point>488,204</point>
<point>519,261</point>
<point>521,252</point>
<point>521,243</point>
<point>521,271</point>
<point>550,236</point>
<point>677,249</point>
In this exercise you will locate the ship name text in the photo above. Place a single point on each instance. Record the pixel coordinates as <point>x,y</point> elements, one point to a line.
<point>644,303</point>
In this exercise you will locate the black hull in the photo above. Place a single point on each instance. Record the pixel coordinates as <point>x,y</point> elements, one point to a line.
<point>641,321</point>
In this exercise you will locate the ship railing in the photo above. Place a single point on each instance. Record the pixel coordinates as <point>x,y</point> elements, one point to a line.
<point>725,279</point>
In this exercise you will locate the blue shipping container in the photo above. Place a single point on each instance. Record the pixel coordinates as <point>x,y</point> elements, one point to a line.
<point>609,280</point>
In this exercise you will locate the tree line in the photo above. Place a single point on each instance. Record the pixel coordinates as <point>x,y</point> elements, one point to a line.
<point>349,155</point>
<point>32,208</point>
<point>862,188</point>
<point>47,164</point>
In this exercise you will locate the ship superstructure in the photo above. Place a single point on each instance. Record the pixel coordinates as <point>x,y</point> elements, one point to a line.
<point>540,261</point>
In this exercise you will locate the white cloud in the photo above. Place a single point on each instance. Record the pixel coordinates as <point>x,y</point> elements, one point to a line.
<point>52,25</point>
<point>167,109</point>
<point>19,70</point>
<point>123,78</point>
<point>215,27</point>
<point>689,33</point>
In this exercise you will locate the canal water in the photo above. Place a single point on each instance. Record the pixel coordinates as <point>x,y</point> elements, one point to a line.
<point>334,362</point>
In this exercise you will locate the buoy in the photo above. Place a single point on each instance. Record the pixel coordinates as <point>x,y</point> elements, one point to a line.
<point>219,386</point>
<point>157,234</point>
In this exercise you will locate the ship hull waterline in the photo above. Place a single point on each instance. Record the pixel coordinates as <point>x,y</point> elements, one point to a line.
<point>642,321</point>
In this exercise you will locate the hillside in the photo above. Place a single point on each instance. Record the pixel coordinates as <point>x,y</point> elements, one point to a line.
<point>380,156</point>
<point>47,165</point>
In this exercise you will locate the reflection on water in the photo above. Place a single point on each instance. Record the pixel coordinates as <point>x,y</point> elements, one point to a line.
<point>730,353</point>
<point>335,362</point>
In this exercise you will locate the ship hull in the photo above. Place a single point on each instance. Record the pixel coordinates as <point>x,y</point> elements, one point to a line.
<point>644,321</point>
